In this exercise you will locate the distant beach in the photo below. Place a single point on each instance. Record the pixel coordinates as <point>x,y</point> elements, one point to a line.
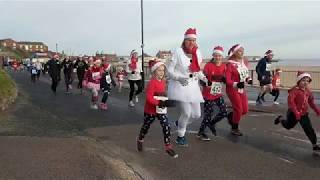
<point>299,62</point>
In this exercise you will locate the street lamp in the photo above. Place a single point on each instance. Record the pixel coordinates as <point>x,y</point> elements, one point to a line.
<point>142,44</point>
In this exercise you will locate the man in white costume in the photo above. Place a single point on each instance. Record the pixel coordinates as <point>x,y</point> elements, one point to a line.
<point>183,85</point>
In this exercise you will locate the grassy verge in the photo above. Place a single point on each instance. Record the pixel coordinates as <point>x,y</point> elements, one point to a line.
<point>8,90</point>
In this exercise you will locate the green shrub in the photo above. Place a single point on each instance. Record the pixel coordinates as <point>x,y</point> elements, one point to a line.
<point>7,86</point>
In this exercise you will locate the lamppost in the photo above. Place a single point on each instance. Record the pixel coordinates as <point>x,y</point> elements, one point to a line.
<point>56,48</point>
<point>142,44</point>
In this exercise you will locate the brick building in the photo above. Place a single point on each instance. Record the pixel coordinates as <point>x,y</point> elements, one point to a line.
<point>25,46</point>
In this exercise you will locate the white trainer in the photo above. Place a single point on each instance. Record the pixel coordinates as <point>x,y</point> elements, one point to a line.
<point>94,106</point>
<point>131,104</point>
<point>276,103</point>
<point>137,99</point>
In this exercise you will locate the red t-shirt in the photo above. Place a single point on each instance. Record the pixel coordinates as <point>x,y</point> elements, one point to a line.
<point>276,81</point>
<point>212,70</point>
<point>154,87</point>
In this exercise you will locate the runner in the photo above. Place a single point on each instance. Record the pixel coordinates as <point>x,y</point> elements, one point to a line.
<point>299,99</point>
<point>214,70</point>
<point>237,74</point>
<point>81,67</point>
<point>54,67</point>
<point>263,70</point>
<point>105,85</point>
<point>156,107</point>
<point>67,71</point>
<point>184,73</point>
<point>120,77</point>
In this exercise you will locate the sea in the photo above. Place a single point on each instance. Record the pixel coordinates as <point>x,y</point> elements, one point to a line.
<point>299,62</point>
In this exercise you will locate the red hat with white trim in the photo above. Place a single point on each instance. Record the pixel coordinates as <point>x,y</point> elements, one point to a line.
<point>218,50</point>
<point>301,75</point>
<point>106,67</point>
<point>190,33</point>
<point>154,64</point>
<point>269,52</point>
<point>233,49</point>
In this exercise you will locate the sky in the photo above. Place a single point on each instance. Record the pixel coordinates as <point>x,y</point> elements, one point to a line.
<point>290,28</point>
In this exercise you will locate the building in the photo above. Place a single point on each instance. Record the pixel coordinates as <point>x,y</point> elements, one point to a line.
<point>32,46</point>
<point>41,57</point>
<point>8,43</point>
<point>25,46</point>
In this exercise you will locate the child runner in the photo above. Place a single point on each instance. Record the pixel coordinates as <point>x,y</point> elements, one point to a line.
<point>299,99</point>
<point>120,77</point>
<point>155,108</point>
<point>92,81</point>
<point>105,85</point>
<point>212,94</point>
<point>276,83</point>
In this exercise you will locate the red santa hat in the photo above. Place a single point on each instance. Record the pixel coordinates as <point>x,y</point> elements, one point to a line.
<point>218,50</point>
<point>106,67</point>
<point>154,64</point>
<point>190,33</point>
<point>301,75</point>
<point>97,61</point>
<point>233,49</point>
<point>269,52</point>
<point>133,52</point>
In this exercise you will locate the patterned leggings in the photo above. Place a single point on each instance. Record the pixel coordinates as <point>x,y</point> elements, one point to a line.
<point>149,119</point>
<point>209,108</point>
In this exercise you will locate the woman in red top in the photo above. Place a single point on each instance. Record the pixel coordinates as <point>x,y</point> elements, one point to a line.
<point>299,99</point>
<point>212,93</point>
<point>237,74</point>
<point>155,107</point>
<point>92,81</point>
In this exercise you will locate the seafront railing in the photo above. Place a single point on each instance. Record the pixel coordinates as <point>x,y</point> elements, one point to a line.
<point>289,79</point>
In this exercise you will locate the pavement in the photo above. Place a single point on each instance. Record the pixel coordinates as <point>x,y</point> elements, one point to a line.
<point>59,137</point>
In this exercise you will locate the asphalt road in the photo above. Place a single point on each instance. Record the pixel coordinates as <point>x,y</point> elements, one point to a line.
<point>265,151</point>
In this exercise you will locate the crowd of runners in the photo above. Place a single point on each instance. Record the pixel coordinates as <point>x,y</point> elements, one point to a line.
<point>182,83</point>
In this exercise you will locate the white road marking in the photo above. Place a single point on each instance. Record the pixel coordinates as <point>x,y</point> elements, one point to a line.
<point>285,160</point>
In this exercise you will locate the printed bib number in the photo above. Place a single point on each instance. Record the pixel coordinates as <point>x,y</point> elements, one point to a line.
<point>216,88</point>
<point>96,75</point>
<point>120,77</point>
<point>108,79</point>
<point>243,72</point>
<point>33,71</point>
<point>268,67</point>
<point>277,82</point>
<point>161,110</point>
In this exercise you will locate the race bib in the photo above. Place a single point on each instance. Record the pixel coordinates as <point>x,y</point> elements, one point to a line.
<point>96,75</point>
<point>34,71</point>
<point>268,67</point>
<point>277,82</point>
<point>108,79</point>
<point>74,70</point>
<point>161,110</point>
<point>120,77</point>
<point>216,88</point>
<point>243,72</point>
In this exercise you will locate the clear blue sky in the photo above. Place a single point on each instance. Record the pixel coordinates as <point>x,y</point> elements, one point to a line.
<point>291,29</point>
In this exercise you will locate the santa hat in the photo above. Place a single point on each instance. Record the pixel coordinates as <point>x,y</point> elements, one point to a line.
<point>278,70</point>
<point>154,64</point>
<point>269,52</point>
<point>133,52</point>
<point>218,50</point>
<point>97,61</point>
<point>190,33</point>
<point>106,67</point>
<point>301,75</point>
<point>233,49</point>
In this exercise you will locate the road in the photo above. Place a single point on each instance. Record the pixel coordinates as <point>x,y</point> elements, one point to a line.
<point>45,136</point>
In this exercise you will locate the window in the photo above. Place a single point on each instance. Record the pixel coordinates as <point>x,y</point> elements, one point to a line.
<point>4,44</point>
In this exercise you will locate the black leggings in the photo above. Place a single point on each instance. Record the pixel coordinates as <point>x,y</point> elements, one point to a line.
<point>149,119</point>
<point>105,96</point>
<point>55,80</point>
<point>131,83</point>
<point>80,78</point>
<point>275,93</point>
<point>68,80</point>
<point>209,109</point>
<point>305,123</point>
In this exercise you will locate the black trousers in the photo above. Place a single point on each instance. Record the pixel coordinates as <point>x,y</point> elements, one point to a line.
<point>68,80</point>
<point>209,108</point>
<point>149,119</point>
<point>275,93</point>
<point>80,78</point>
<point>55,81</point>
<point>131,83</point>
<point>305,123</point>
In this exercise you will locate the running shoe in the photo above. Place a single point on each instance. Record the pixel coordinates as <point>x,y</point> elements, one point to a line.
<point>139,145</point>
<point>236,132</point>
<point>182,141</point>
<point>131,104</point>
<point>203,137</point>
<point>277,120</point>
